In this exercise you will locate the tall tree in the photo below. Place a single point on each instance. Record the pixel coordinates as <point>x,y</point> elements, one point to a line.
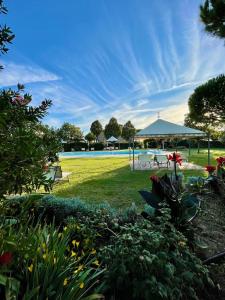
<point>112,129</point>
<point>70,133</point>
<point>128,131</point>
<point>6,35</point>
<point>96,128</point>
<point>90,137</point>
<point>207,103</point>
<point>212,14</point>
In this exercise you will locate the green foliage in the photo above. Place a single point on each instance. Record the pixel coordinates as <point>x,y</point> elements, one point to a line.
<point>128,131</point>
<point>169,191</point>
<point>70,133</point>
<point>90,137</point>
<point>207,103</point>
<point>151,261</point>
<point>50,140</point>
<point>22,152</point>
<point>6,35</point>
<point>46,263</point>
<point>96,128</point>
<point>212,14</point>
<point>112,129</point>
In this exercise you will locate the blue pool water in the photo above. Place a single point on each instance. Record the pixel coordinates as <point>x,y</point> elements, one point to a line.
<point>107,153</point>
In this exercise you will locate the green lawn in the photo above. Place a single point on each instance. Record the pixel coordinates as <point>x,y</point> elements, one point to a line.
<point>111,180</point>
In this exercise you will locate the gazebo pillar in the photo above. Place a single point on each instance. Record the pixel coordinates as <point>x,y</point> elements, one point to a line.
<point>133,153</point>
<point>208,149</point>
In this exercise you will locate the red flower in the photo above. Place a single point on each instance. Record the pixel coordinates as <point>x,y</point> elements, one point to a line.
<point>210,169</point>
<point>175,157</point>
<point>154,178</point>
<point>221,161</point>
<point>45,167</point>
<point>6,258</point>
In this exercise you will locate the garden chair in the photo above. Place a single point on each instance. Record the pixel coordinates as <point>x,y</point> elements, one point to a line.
<point>82,149</point>
<point>92,149</point>
<point>145,161</point>
<point>162,160</point>
<point>116,148</point>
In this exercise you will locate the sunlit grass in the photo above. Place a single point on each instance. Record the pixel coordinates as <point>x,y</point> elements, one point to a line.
<point>111,180</point>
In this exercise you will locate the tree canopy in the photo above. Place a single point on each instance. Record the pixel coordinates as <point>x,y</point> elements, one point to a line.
<point>112,129</point>
<point>6,35</point>
<point>207,103</point>
<point>128,131</point>
<point>212,14</point>
<point>90,137</point>
<point>23,154</point>
<point>70,133</point>
<point>96,128</point>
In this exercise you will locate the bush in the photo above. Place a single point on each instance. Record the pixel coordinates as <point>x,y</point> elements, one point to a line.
<point>97,146</point>
<point>143,259</point>
<point>151,261</point>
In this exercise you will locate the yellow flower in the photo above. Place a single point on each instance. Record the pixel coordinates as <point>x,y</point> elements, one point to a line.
<point>73,253</point>
<point>93,251</point>
<point>77,244</point>
<point>96,262</point>
<point>181,243</point>
<point>30,268</point>
<point>81,285</point>
<point>79,269</point>
<point>65,282</point>
<point>44,256</point>
<point>74,242</point>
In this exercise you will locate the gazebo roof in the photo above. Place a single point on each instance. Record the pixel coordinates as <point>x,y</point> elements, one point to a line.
<point>112,139</point>
<point>162,128</point>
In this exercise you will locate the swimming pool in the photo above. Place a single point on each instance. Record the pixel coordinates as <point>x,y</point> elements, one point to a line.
<point>107,153</point>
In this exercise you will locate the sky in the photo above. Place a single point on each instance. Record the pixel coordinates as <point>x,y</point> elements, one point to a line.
<point>97,59</point>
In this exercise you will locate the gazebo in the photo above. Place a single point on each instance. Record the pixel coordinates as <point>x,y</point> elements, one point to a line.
<point>161,129</point>
<point>112,139</point>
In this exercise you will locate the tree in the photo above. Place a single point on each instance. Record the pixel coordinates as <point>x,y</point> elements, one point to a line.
<point>90,137</point>
<point>51,140</point>
<point>212,14</point>
<point>207,103</point>
<point>128,131</point>
<point>6,35</point>
<point>70,133</point>
<point>96,128</point>
<point>22,153</point>
<point>112,129</point>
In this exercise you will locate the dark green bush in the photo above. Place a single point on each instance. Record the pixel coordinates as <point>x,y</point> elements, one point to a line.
<point>151,261</point>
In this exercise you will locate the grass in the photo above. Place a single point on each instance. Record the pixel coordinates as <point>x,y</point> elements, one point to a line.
<point>110,179</point>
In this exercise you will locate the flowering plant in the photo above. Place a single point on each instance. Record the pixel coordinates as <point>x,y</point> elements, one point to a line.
<point>176,157</point>
<point>221,161</point>
<point>6,258</point>
<point>210,169</point>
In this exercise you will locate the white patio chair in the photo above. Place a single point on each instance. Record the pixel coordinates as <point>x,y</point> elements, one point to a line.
<point>92,149</point>
<point>82,149</point>
<point>162,160</point>
<point>145,161</point>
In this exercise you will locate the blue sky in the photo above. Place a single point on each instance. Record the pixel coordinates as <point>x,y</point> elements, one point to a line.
<point>101,58</point>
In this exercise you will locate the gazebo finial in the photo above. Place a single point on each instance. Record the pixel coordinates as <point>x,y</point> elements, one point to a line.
<point>158,114</point>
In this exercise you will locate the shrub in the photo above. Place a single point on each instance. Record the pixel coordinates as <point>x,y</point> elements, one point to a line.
<point>151,261</point>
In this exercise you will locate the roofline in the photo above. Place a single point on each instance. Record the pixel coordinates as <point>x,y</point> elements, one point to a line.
<point>171,134</point>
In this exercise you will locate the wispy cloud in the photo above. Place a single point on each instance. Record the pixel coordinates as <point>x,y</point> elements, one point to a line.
<point>132,63</point>
<point>14,73</point>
